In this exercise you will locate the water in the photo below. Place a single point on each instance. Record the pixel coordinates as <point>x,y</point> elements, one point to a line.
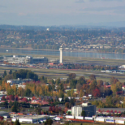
<point>65,53</point>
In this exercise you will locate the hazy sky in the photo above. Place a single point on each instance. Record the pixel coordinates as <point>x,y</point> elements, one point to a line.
<point>61,12</point>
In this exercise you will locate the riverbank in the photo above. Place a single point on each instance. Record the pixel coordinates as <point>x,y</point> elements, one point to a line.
<point>95,51</point>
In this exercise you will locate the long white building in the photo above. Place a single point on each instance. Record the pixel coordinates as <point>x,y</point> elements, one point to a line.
<point>30,118</point>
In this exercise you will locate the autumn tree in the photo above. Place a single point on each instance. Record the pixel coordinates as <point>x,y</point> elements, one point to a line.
<point>116,87</point>
<point>93,85</point>
<point>113,80</point>
<point>58,81</point>
<point>99,83</point>
<point>61,87</point>
<point>96,92</point>
<point>78,87</point>
<point>70,93</point>
<point>61,94</point>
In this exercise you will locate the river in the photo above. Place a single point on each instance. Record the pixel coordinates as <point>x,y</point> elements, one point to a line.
<point>65,53</point>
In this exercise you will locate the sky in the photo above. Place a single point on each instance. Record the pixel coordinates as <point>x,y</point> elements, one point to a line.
<point>61,12</point>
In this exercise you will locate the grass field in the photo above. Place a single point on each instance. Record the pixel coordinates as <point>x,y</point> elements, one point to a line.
<point>58,73</point>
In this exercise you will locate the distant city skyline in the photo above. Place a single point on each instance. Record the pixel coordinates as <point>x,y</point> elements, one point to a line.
<point>62,12</point>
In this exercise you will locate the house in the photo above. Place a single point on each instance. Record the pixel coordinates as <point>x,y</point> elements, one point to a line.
<point>123,88</point>
<point>38,101</point>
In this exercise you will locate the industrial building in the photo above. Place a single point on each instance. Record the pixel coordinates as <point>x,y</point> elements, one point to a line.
<point>89,109</point>
<point>24,59</point>
<point>30,118</point>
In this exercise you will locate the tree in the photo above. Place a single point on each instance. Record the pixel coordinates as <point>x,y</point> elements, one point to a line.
<point>61,87</point>
<point>0,80</point>
<point>109,100</point>
<point>10,92</point>
<point>7,77</point>
<point>66,99</point>
<point>61,94</point>
<point>72,101</point>
<point>96,92</point>
<point>3,98</point>
<point>78,87</point>
<point>17,122</point>
<point>113,80</point>
<point>81,80</point>
<point>15,107</point>
<point>67,105</point>
<point>4,74</point>
<point>72,76</point>
<point>48,122</point>
<point>53,82</point>
<point>67,123</point>
<point>58,81</point>
<point>69,113</point>
<point>83,113</point>
<point>28,93</point>
<point>73,83</point>
<point>38,110</point>
<point>92,77</point>
<point>10,72</point>
<point>116,87</point>
<point>99,83</point>
<point>5,104</point>
<point>93,85</point>
<point>25,74</point>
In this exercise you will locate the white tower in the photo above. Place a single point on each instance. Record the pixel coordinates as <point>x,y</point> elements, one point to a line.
<point>61,54</point>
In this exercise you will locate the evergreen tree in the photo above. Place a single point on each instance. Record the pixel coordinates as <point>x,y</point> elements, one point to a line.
<point>83,113</point>
<point>4,74</point>
<point>17,122</point>
<point>10,72</point>
<point>48,122</point>
<point>15,107</point>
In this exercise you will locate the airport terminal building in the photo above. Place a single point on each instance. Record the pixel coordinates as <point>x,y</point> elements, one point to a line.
<point>24,59</point>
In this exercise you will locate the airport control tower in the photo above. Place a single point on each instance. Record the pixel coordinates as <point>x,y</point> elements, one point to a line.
<point>61,54</point>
